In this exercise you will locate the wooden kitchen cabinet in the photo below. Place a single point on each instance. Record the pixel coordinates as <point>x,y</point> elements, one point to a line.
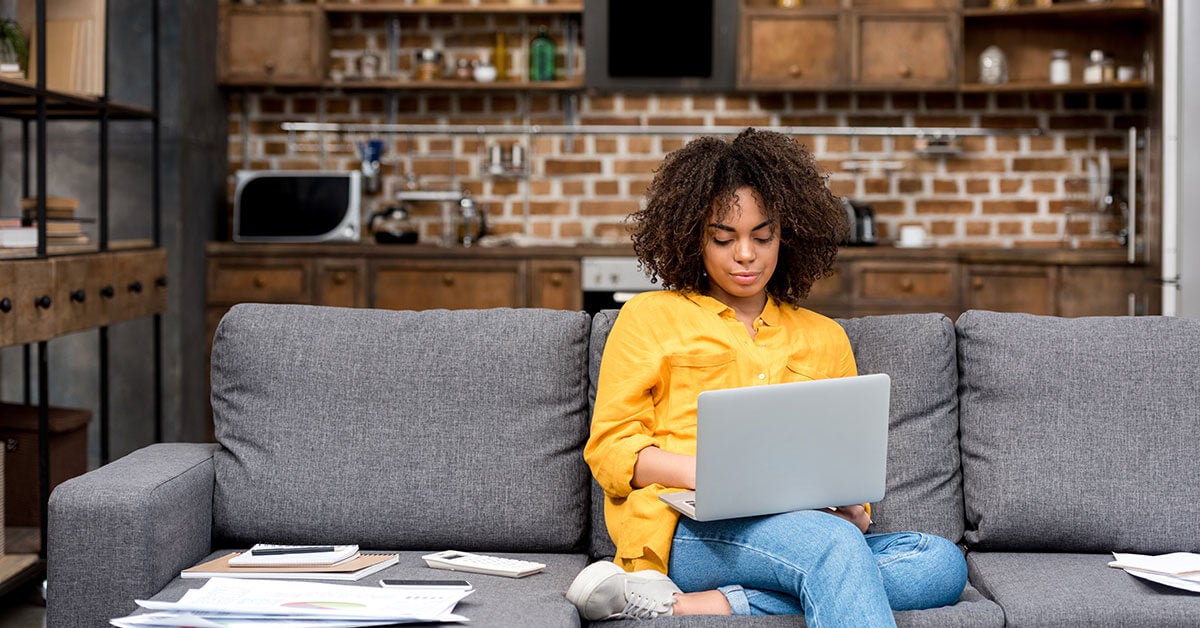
<point>904,50</point>
<point>257,280</point>
<point>906,286</point>
<point>272,44</point>
<point>790,49</point>
<point>341,282</point>
<point>555,284</point>
<point>1010,288</point>
<point>450,284</point>
<point>1104,291</point>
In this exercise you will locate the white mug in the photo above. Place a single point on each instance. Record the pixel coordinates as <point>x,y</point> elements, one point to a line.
<point>912,235</point>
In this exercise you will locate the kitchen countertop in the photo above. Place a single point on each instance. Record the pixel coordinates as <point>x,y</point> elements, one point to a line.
<point>1055,256</point>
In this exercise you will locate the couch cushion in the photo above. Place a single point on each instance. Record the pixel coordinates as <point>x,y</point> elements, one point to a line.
<point>972,609</point>
<point>443,429</point>
<point>1057,590</point>
<point>924,488</point>
<point>924,481</point>
<point>498,602</point>
<point>600,544</point>
<point>1080,434</point>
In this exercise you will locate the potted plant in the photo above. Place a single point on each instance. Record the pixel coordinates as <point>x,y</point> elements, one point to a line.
<point>14,47</point>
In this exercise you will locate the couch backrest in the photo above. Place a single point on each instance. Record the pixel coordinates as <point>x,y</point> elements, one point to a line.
<point>401,430</point>
<point>1080,434</point>
<point>924,484</point>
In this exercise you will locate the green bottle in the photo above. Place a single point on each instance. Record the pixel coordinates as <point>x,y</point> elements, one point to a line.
<point>541,57</point>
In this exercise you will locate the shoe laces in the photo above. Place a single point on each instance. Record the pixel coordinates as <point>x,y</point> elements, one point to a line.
<point>639,606</point>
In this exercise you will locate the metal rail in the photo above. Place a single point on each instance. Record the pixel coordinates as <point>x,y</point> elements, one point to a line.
<point>534,129</point>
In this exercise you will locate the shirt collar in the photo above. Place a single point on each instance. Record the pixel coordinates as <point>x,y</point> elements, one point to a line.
<point>769,316</point>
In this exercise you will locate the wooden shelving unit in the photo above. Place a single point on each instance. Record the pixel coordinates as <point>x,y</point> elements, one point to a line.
<point>51,290</point>
<point>1116,9</point>
<point>1038,86</point>
<point>403,7</point>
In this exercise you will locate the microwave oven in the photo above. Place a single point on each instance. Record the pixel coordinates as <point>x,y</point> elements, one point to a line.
<point>297,206</point>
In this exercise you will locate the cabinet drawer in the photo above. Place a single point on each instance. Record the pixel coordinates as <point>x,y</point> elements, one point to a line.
<point>259,281</point>
<point>34,317</point>
<point>791,50</point>
<point>1028,289</point>
<point>905,50</point>
<point>341,283</point>
<point>431,285</point>
<point>139,279</point>
<point>924,283</point>
<point>8,304</point>
<point>555,284</point>
<point>831,289</point>
<point>80,286</point>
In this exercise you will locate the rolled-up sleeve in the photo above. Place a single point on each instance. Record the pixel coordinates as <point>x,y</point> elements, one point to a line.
<point>623,422</point>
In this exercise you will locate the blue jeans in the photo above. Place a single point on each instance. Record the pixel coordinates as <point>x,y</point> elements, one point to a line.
<point>818,564</point>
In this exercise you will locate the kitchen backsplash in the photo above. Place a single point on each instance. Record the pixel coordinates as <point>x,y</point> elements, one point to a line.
<point>1003,190</point>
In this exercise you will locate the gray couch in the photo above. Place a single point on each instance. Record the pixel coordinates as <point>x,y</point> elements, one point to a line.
<point>1038,443</point>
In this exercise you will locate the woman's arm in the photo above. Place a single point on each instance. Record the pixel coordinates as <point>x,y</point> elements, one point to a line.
<point>655,466</point>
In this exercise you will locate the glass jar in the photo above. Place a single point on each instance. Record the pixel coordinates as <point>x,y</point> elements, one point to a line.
<point>1060,67</point>
<point>1099,68</point>
<point>429,64</point>
<point>463,70</point>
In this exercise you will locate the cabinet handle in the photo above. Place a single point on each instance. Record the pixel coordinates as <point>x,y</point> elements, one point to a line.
<point>906,284</point>
<point>905,71</point>
<point>6,305</point>
<point>339,279</point>
<point>135,287</point>
<point>42,302</point>
<point>269,67</point>
<point>259,283</point>
<point>556,279</point>
<point>78,296</point>
<point>795,71</point>
<point>107,292</point>
<point>977,283</point>
<point>448,279</point>
<point>161,282</point>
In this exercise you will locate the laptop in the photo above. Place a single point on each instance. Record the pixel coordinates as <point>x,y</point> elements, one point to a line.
<point>783,447</point>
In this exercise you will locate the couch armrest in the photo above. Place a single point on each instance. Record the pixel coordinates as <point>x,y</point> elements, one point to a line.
<point>125,530</point>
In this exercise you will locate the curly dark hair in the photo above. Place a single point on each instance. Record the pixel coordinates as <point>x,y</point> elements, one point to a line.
<point>670,233</point>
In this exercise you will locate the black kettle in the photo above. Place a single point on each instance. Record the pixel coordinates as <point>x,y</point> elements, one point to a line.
<point>391,225</point>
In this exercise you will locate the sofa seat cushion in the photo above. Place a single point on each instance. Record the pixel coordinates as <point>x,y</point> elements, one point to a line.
<point>1060,590</point>
<point>387,429</point>
<point>972,610</point>
<point>498,602</point>
<point>1079,435</point>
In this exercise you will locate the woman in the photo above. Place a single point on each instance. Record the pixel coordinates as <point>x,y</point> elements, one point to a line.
<point>738,232</point>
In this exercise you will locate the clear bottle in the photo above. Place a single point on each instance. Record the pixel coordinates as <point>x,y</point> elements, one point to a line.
<point>1060,67</point>
<point>1093,72</point>
<point>542,57</point>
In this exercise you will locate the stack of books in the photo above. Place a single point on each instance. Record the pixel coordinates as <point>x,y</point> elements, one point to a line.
<point>61,225</point>
<point>15,235</point>
<point>330,562</point>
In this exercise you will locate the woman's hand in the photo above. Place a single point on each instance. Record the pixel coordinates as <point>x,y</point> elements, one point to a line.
<point>856,514</point>
<point>655,466</point>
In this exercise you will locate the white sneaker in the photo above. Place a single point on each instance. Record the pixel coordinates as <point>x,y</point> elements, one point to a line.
<point>605,591</point>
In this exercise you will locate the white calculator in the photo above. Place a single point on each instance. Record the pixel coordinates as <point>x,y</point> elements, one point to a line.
<point>479,563</point>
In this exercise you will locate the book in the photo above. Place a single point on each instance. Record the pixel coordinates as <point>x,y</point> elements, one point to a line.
<point>52,202</point>
<point>340,553</point>
<point>18,237</point>
<point>1180,569</point>
<point>361,566</point>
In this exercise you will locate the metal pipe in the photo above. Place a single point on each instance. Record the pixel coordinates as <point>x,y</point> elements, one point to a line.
<point>43,440</point>
<point>156,150</point>
<point>105,451</point>
<point>513,129</point>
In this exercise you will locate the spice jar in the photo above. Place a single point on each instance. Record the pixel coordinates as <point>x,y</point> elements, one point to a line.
<point>1060,67</point>
<point>1099,68</point>
<point>463,71</point>
<point>429,64</point>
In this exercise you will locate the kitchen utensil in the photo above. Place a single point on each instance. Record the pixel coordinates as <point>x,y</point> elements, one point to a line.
<point>472,222</point>
<point>370,152</point>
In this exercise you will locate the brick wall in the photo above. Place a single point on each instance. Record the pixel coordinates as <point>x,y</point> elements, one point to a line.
<point>1007,190</point>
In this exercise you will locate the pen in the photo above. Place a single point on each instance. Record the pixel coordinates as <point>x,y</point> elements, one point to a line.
<point>277,551</point>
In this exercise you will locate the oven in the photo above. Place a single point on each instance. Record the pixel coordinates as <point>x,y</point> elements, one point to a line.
<point>608,282</point>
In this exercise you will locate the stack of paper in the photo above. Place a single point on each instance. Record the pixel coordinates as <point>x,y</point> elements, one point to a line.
<point>1180,569</point>
<point>235,603</point>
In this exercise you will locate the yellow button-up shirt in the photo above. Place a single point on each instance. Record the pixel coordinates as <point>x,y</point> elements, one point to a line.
<point>664,349</point>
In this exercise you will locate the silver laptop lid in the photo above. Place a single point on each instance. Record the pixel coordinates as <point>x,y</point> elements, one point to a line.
<point>795,446</point>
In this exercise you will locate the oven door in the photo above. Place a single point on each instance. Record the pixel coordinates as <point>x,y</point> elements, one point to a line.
<point>608,282</point>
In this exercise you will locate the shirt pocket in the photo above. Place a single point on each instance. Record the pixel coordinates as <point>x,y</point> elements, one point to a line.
<point>802,371</point>
<point>693,373</point>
